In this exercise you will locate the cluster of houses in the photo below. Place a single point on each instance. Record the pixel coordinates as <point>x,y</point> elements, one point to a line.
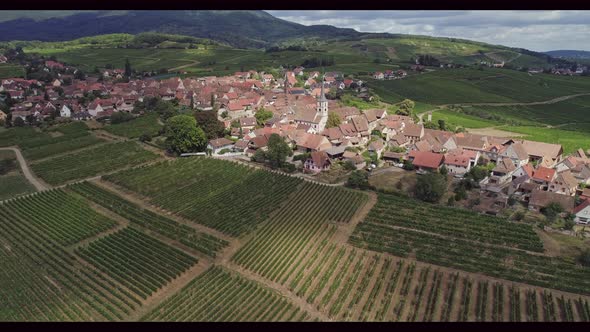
<point>390,75</point>
<point>537,173</point>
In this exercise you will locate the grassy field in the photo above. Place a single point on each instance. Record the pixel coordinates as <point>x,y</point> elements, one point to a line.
<point>456,119</point>
<point>570,140</point>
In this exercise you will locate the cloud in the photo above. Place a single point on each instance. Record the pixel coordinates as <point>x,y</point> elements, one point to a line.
<point>534,30</point>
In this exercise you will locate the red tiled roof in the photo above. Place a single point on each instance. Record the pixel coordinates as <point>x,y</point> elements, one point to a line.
<point>426,159</point>
<point>544,174</point>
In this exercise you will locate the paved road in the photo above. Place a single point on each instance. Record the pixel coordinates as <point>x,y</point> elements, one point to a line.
<point>26,171</point>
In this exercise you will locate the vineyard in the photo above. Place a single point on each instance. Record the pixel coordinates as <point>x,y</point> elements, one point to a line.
<point>37,145</point>
<point>61,217</point>
<point>41,281</point>
<point>222,195</point>
<point>391,227</point>
<point>139,262</point>
<point>314,252</point>
<point>203,242</point>
<point>147,124</point>
<point>219,295</point>
<point>90,162</point>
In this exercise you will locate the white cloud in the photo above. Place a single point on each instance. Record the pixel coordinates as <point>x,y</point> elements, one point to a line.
<point>535,30</point>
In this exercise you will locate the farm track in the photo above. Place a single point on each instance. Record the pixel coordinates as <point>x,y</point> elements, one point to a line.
<point>37,183</point>
<point>545,102</point>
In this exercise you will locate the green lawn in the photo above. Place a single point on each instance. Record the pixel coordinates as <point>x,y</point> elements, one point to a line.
<point>457,119</point>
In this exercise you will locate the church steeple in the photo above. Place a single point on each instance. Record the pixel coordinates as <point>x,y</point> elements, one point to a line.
<point>322,104</point>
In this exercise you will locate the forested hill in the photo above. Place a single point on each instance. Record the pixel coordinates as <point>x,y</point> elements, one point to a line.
<point>243,29</point>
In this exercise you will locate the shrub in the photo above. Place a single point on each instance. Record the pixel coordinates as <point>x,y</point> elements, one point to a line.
<point>288,168</point>
<point>145,138</point>
<point>349,165</point>
<point>431,187</point>
<point>358,179</point>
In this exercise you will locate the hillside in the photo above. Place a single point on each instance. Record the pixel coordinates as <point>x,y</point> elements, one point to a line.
<point>569,54</point>
<point>238,28</point>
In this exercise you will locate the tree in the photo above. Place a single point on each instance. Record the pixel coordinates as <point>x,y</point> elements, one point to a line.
<point>358,179</point>
<point>552,210</point>
<point>183,135</point>
<point>406,107</point>
<point>278,151</point>
<point>477,173</point>
<point>18,122</point>
<point>584,257</point>
<point>262,115</point>
<point>146,137</point>
<point>212,100</point>
<point>79,75</point>
<point>333,120</point>
<point>127,68</point>
<point>430,125</point>
<point>259,156</point>
<point>431,187</point>
<point>207,120</point>
<point>442,125</point>
<point>120,117</point>
<point>408,165</point>
<point>349,165</point>
<point>443,170</point>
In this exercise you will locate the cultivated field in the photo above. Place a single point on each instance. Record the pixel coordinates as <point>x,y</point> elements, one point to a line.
<point>147,124</point>
<point>91,251</point>
<point>89,162</point>
<point>458,86</point>
<point>202,242</point>
<point>219,295</point>
<point>467,241</point>
<point>230,198</point>
<point>12,181</point>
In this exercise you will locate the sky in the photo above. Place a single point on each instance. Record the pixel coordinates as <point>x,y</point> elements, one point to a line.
<point>534,30</point>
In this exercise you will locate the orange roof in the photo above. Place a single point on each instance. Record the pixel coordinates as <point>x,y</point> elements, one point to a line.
<point>426,159</point>
<point>544,174</point>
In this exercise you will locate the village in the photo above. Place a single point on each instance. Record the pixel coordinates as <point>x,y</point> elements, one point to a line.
<point>322,132</point>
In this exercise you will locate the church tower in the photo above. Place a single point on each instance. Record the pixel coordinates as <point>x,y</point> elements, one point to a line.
<point>322,110</point>
<point>322,104</point>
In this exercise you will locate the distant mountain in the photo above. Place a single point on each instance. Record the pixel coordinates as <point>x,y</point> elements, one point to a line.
<point>245,29</point>
<point>569,54</point>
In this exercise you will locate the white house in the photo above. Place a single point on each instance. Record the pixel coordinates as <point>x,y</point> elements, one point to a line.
<point>65,112</point>
<point>216,145</point>
<point>582,213</point>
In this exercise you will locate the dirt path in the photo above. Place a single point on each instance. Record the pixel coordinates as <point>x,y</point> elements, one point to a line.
<point>545,102</point>
<point>38,184</point>
<point>144,203</point>
<point>345,230</point>
<point>283,291</point>
<point>184,66</point>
